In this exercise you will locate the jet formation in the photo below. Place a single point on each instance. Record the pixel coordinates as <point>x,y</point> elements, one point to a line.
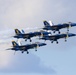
<point>44,34</point>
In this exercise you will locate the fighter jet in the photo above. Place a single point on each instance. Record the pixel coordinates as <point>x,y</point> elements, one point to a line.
<point>53,38</point>
<point>26,36</point>
<point>50,26</point>
<point>23,48</point>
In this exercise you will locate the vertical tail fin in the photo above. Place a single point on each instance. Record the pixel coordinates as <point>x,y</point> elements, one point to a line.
<point>46,23</point>
<point>17,32</point>
<point>14,44</point>
<point>51,23</point>
<point>23,31</point>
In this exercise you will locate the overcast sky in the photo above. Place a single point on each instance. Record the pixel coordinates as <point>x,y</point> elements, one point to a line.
<point>52,59</point>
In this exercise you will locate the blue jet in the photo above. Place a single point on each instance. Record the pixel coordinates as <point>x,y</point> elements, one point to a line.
<point>23,48</point>
<point>26,36</point>
<point>54,28</point>
<point>53,38</point>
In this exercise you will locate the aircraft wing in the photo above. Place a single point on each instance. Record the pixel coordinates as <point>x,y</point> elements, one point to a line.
<point>65,25</point>
<point>55,37</point>
<point>26,47</point>
<point>28,35</point>
<point>57,27</point>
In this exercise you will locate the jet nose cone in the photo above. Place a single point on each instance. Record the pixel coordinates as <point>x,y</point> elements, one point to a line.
<point>72,34</point>
<point>73,24</point>
<point>42,44</point>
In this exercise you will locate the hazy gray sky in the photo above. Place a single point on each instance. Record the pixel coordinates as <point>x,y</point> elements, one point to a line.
<point>52,59</point>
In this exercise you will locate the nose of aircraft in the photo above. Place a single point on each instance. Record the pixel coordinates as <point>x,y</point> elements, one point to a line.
<point>72,34</point>
<point>73,24</point>
<point>42,44</point>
